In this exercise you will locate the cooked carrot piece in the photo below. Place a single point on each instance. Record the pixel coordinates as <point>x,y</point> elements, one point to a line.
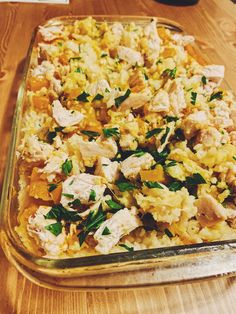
<point>56,194</point>
<point>36,83</point>
<point>40,103</point>
<point>38,187</point>
<point>156,175</point>
<point>169,52</point>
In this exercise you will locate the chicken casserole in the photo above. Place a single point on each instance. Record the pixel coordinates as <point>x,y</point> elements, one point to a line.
<point>128,143</point>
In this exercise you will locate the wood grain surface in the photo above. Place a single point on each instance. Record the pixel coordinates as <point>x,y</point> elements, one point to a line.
<point>213,22</point>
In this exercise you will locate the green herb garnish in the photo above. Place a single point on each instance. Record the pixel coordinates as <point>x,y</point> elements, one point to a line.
<point>193,98</point>
<point>52,187</point>
<point>125,186</point>
<point>90,134</point>
<point>104,55</point>
<point>67,167</point>
<point>98,97</point>
<point>55,228</point>
<point>195,179</point>
<point>83,97</point>
<point>78,70</point>
<point>58,212</point>
<point>119,100</point>
<point>158,62</point>
<point>59,128</point>
<point>51,136</point>
<point>218,95</point>
<point>172,163</point>
<point>91,223</point>
<point>145,76</point>
<point>153,185</point>
<point>139,153</point>
<point>128,248</point>
<point>114,206</point>
<point>179,133</point>
<point>170,119</point>
<point>111,132</point>
<point>106,231</point>
<point>68,195</point>
<point>92,196</point>
<point>175,186</point>
<point>204,80</point>
<point>164,137</point>
<point>169,72</point>
<point>234,157</point>
<point>168,233</point>
<point>153,132</point>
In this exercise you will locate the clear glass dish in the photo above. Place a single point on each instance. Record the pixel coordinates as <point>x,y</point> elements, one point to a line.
<point>114,271</point>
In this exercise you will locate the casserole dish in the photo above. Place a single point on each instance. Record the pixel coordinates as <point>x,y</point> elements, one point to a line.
<point>115,270</point>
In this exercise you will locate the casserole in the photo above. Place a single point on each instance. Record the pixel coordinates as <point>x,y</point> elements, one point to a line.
<point>48,267</point>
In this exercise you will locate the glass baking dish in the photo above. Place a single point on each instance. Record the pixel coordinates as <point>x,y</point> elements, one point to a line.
<point>117,270</point>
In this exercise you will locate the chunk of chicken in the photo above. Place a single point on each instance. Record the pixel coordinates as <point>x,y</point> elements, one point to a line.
<point>45,69</point>
<point>53,164</point>
<point>117,29</point>
<point>222,113</point>
<point>210,137</point>
<point>214,73</point>
<point>151,42</point>
<point>73,46</point>
<point>56,85</point>
<point>120,224</point>
<point>177,98</point>
<point>107,169</point>
<point>86,187</point>
<point>135,100</point>
<point>99,87</point>
<point>90,151</point>
<point>194,122</point>
<point>36,149</point>
<point>160,102</point>
<point>52,245</point>
<point>128,141</point>
<point>132,165</point>
<point>183,40</point>
<point>131,56</point>
<point>65,117</point>
<point>137,81</point>
<point>209,211</point>
<point>50,33</point>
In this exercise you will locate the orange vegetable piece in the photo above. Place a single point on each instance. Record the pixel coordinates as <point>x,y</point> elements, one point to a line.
<point>194,54</point>
<point>162,33</point>
<point>36,83</point>
<point>56,194</point>
<point>38,187</point>
<point>169,52</point>
<point>63,59</point>
<point>154,175</point>
<point>40,103</point>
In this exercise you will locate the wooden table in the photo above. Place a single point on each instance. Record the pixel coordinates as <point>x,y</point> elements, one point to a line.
<point>214,24</point>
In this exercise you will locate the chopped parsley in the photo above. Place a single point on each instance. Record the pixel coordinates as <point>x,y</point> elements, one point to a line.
<point>153,185</point>
<point>92,196</point>
<point>75,203</point>
<point>91,223</point>
<point>68,195</point>
<point>50,136</point>
<point>106,231</point>
<point>55,228</point>
<point>67,167</point>
<point>153,132</point>
<point>234,157</point>
<point>114,206</point>
<point>78,70</point>
<point>139,153</point>
<point>128,248</point>
<point>58,212</point>
<point>171,118</point>
<point>168,233</point>
<point>158,61</point>
<point>218,95</point>
<point>125,186</point>
<point>119,100</point>
<point>195,179</point>
<point>172,163</point>
<point>83,97</point>
<point>52,187</point>
<point>59,128</point>
<point>145,76</point>
<point>90,134</point>
<point>164,137</point>
<point>204,80</point>
<point>160,157</point>
<point>193,98</point>
<point>179,134</point>
<point>175,186</point>
<point>170,73</point>
<point>103,55</point>
<point>98,97</point>
<point>111,132</point>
